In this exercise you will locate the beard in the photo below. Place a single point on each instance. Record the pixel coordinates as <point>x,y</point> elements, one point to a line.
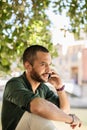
<point>37,77</point>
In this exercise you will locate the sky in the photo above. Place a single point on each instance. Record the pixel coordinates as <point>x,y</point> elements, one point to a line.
<point>59,23</point>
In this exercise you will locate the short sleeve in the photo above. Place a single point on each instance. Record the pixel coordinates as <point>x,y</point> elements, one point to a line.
<point>16,93</point>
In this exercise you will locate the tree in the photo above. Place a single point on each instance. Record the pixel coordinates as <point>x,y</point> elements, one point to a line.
<point>24,22</point>
<point>76,10</point>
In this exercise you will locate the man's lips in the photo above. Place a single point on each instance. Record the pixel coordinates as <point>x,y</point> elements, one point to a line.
<point>46,75</point>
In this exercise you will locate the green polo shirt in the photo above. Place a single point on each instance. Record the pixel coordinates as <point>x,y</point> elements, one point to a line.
<point>17,97</point>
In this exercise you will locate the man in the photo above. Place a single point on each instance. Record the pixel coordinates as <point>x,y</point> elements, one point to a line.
<point>28,103</point>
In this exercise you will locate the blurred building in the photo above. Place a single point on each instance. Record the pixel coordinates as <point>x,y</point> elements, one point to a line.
<point>71,63</point>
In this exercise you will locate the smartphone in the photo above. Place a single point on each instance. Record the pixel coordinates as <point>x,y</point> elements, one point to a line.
<point>49,76</point>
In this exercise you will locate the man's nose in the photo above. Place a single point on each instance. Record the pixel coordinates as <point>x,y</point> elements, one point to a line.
<point>48,68</point>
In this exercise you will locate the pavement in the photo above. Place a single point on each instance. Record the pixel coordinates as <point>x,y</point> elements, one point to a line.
<point>78,102</point>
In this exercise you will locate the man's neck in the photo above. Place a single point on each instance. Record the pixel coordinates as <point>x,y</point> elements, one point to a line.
<point>34,84</point>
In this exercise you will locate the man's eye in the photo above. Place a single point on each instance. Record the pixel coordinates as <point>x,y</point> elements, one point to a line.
<point>43,64</point>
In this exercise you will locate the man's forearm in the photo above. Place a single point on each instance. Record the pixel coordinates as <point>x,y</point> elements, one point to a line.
<point>64,102</point>
<point>48,110</point>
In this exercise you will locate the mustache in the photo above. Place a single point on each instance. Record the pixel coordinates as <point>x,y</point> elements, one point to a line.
<point>49,75</point>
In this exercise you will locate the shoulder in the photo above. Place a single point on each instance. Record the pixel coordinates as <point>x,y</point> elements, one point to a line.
<point>14,82</point>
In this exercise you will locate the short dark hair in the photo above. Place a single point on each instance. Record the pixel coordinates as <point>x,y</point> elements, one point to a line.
<point>30,53</point>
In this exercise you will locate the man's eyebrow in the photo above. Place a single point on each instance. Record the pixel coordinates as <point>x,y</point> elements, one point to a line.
<point>46,62</point>
<point>43,62</point>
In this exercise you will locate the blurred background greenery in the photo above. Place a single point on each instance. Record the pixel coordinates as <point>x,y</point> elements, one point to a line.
<point>26,22</point>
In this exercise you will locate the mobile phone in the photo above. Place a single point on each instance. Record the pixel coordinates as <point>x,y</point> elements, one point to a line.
<point>49,76</point>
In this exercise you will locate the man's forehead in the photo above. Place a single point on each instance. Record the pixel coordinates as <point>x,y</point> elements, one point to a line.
<point>43,55</point>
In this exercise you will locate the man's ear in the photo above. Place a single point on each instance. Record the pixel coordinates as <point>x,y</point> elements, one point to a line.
<point>27,65</point>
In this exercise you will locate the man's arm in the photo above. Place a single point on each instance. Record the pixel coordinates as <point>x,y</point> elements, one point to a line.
<point>56,81</point>
<point>64,102</point>
<point>50,111</point>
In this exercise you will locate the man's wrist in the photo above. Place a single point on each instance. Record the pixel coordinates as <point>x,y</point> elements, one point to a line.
<point>71,115</point>
<point>60,89</point>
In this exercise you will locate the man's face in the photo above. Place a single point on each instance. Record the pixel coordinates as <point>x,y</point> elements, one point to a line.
<point>41,67</point>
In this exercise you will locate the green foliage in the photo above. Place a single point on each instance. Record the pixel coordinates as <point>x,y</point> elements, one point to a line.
<point>76,10</point>
<point>24,22</point>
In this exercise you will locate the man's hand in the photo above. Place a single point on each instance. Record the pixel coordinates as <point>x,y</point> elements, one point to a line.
<point>55,80</point>
<point>75,121</point>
